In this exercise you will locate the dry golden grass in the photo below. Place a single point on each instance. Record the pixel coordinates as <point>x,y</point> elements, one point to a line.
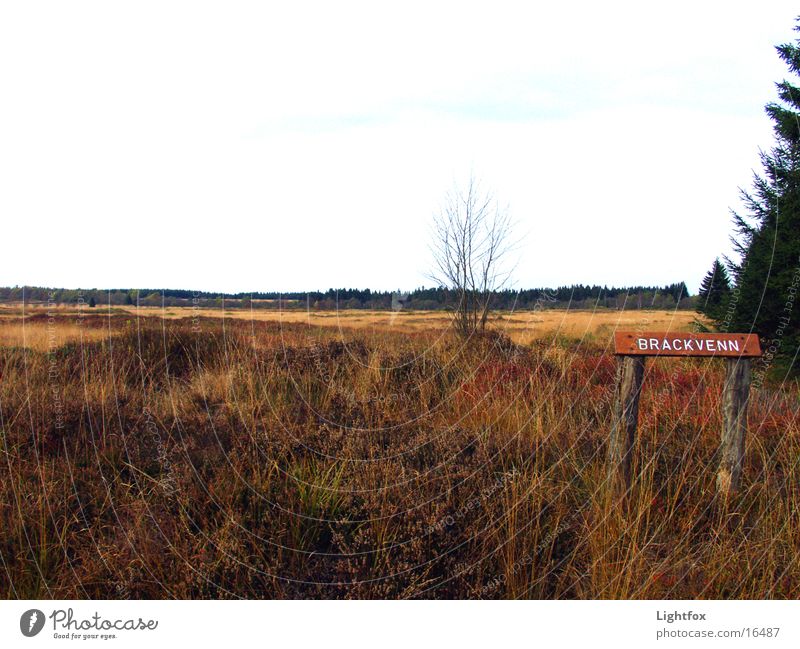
<point>522,327</point>
<point>202,459</point>
<point>43,337</point>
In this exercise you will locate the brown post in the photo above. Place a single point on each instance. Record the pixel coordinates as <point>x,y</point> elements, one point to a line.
<point>626,415</point>
<point>734,423</point>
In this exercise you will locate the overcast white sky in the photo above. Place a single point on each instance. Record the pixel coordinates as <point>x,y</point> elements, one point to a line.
<point>245,146</point>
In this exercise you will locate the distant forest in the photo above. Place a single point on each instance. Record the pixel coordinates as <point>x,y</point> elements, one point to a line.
<point>578,296</point>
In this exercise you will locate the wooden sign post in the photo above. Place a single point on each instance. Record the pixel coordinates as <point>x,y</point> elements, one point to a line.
<point>633,348</point>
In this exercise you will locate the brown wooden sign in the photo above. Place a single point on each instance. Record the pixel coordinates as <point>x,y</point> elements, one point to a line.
<point>737,349</point>
<point>649,343</point>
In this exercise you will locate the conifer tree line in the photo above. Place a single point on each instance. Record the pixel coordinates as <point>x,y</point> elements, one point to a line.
<point>757,291</point>
<point>577,297</point>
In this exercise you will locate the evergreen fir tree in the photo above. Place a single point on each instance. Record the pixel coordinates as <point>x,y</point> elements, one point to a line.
<point>715,291</point>
<point>767,277</point>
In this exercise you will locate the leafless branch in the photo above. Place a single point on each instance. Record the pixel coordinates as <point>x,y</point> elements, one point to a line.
<point>471,242</point>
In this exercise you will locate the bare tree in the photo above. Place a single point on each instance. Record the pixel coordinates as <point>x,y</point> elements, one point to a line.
<point>471,245</point>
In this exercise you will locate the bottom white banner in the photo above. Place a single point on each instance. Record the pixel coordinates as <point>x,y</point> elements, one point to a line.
<point>398,624</point>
